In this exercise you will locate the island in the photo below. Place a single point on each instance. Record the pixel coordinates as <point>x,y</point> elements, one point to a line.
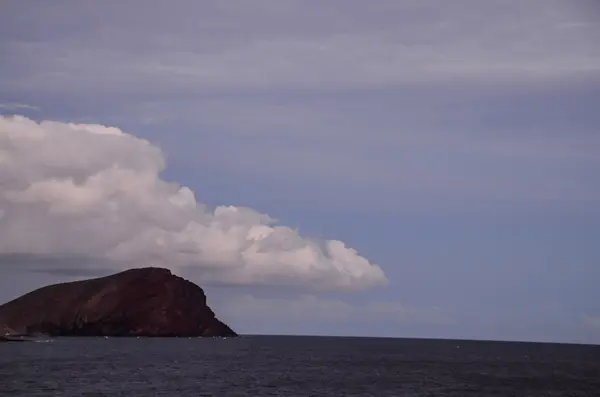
<point>149,302</point>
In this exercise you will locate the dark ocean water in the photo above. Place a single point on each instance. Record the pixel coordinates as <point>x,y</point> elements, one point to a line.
<point>296,366</point>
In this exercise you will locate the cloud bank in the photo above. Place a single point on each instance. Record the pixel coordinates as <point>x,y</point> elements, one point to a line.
<point>14,106</point>
<point>298,314</point>
<point>226,45</point>
<point>325,310</point>
<point>93,191</point>
<point>591,321</point>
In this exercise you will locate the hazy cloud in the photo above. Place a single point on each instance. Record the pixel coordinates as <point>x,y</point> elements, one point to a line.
<point>387,316</point>
<point>95,191</point>
<point>229,45</point>
<point>59,265</point>
<point>13,106</point>
<point>591,321</point>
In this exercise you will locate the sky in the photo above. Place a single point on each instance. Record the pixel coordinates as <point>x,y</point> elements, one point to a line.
<point>397,168</point>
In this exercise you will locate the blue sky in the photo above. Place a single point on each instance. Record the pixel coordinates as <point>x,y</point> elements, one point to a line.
<point>456,146</point>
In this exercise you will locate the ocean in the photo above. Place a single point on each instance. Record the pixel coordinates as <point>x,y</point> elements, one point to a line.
<point>296,366</point>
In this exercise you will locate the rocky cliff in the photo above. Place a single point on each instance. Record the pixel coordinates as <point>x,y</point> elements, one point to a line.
<point>136,302</point>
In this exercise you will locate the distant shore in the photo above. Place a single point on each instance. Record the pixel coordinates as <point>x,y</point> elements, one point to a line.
<point>11,339</point>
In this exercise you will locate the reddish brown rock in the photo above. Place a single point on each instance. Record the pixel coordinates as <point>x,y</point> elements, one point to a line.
<point>136,302</point>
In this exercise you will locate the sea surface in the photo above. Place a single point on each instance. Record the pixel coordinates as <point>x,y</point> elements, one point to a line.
<point>296,366</point>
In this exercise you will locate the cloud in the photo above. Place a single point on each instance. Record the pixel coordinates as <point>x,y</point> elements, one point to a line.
<point>402,104</point>
<point>389,43</point>
<point>591,321</point>
<point>13,106</point>
<point>60,265</point>
<point>309,313</point>
<point>82,190</point>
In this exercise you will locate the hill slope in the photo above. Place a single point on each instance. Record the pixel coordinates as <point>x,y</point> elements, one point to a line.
<point>136,302</point>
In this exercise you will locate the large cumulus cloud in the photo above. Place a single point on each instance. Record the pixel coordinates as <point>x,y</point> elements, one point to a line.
<point>95,192</point>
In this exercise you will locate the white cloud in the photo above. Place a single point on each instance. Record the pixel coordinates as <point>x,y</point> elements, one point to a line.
<point>96,191</point>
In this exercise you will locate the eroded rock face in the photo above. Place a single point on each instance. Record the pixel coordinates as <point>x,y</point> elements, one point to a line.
<point>136,302</point>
